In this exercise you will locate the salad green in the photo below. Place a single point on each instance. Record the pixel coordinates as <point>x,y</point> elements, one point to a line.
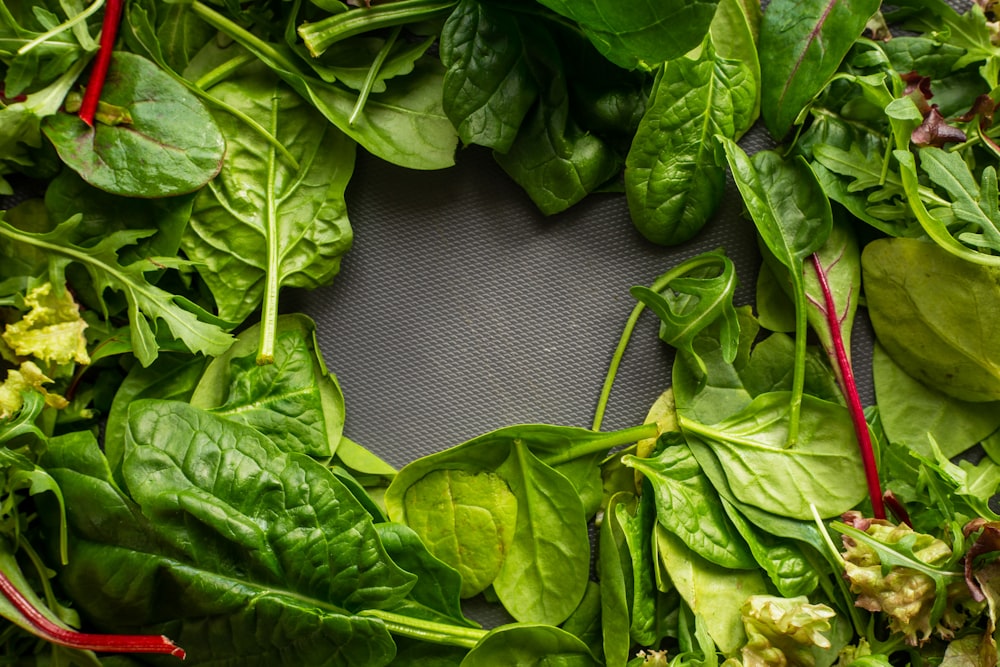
<point>177,480</point>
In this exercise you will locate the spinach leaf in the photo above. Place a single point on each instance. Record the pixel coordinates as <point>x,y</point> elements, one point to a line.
<point>614,571</point>
<point>630,34</point>
<point>161,141</point>
<point>510,518</point>
<point>913,412</point>
<point>217,534</point>
<point>687,505</point>
<point>822,470</point>
<point>712,592</point>
<point>924,303</point>
<point>489,86</point>
<point>294,401</point>
<point>530,645</point>
<point>802,43</point>
<point>673,178</point>
<point>263,224</point>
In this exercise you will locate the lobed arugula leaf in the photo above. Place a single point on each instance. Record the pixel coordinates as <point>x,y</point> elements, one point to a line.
<point>147,303</point>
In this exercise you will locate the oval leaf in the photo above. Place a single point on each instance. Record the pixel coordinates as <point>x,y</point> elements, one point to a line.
<point>163,143</point>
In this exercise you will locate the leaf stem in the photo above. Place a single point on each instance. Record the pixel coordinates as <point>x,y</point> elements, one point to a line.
<point>269,312</point>
<point>42,626</point>
<point>429,631</point>
<point>609,441</point>
<point>372,75</point>
<point>66,25</point>
<point>850,389</point>
<point>98,75</point>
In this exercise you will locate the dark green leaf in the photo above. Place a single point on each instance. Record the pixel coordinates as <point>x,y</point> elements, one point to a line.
<point>167,143</point>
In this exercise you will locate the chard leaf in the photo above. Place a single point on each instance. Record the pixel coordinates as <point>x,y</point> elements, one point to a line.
<point>264,224</point>
<point>488,86</point>
<point>147,303</point>
<point>634,33</point>
<point>217,534</point>
<point>822,470</point>
<point>802,43</point>
<point>163,142</point>
<point>674,178</point>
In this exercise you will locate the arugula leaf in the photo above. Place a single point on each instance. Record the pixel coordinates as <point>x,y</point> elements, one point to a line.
<point>146,303</point>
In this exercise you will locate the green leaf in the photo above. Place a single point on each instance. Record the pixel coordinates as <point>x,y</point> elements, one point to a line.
<point>264,224</point>
<point>628,34</point>
<point>687,505</point>
<point>975,208</point>
<point>802,43</point>
<point>925,305</point>
<point>167,143</point>
<point>674,178</point>
<point>822,470</point>
<point>488,86</point>
<point>294,401</point>
<point>913,412</point>
<point>529,645</point>
<point>222,534</point>
<point>146,303</point>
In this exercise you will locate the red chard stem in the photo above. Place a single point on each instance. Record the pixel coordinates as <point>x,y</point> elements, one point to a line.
<point>850,390</point>
<point>109,31</point>
<point>44,628</point>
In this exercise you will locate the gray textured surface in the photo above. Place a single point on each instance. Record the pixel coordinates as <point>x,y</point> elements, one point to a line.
<point>461,309</point>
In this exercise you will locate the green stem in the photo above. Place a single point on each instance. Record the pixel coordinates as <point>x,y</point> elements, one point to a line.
<point>67,25</point>
<point>428,631</point>
<point>658,285</point>
<point>244,37</point>
<point>799,371</point>
<point>372,75</point>
<point>321,35</point>
<point>609,441</point>
<point>269,307</point>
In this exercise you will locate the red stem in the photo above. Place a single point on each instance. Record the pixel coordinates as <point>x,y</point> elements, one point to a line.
<point>48,630</point>
<point>850,390</point>
<point>109,30</point>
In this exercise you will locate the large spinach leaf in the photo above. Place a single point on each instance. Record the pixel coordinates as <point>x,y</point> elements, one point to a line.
<point>264,224</point>
<point>239,550</point>
<point>822,470</point>
<point>295,401</point>
<point>628,34</point>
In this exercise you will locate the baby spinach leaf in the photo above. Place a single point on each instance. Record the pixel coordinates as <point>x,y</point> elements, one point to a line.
<point>687,505</point>
<point>295,401</point>
<point>488,86</point>
<point>802,43</point>
<point>530,645</point>
<point>222,534</point>
<point>636,526</point>
<point>924,304</point>
<point>712,592</point>
<point>539,581</point>
<point>472,531</point>
<point>263,224</point>
<point>630,34</point>
<point>673,178</point>
<point>146,302</point>
<point>164,142</point>
<point>822,469</point>
<point>913,412</point>
<point>614,571</point>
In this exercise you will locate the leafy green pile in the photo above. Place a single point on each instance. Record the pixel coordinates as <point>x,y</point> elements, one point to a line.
<point>174,462</point>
